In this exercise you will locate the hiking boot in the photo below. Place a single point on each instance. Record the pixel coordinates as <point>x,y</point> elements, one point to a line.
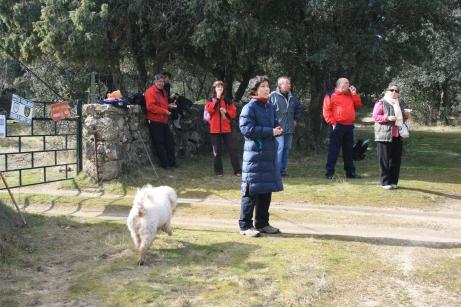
<point>250,232</point>
<point>353,176</point>
<point>269,229</point>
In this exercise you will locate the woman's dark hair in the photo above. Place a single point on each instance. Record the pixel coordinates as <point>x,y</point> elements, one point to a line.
<point>213,87</point>
<point>254,83</point>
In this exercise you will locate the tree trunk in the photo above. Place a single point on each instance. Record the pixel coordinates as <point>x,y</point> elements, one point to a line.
<point>137,49</point>
<point>243,84</point>
<point>316,129</point>
<point>229,81</point>
<point>117,76</point>
<point>436,104</point>
<point>444,104</point>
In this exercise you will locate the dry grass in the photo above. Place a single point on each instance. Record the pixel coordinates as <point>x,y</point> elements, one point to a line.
<point>95,265</point>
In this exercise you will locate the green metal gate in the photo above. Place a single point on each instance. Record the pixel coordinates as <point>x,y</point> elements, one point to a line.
<point>45,151</point>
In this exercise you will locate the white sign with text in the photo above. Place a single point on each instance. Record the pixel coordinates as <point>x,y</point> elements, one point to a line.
<point>21,109</point>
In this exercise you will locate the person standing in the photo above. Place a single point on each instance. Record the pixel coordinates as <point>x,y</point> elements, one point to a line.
<point>288,109</point>
<point>389,116</point>
<point>167,86</point>
<point>260,172</point>
<point>339,112</point>
<point>222,111</point>
<point>158,112</point>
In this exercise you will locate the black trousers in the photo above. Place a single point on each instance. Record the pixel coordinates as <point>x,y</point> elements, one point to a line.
<point>390,157</point>
<point>341,138</point>
<point>162,143</point>
<point>216,143</point>
<point>258,203</point>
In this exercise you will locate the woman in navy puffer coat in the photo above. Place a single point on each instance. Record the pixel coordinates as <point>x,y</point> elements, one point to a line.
<point>260,171</point>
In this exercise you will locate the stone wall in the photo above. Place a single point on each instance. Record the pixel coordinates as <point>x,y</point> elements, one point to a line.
<point>123,140</point>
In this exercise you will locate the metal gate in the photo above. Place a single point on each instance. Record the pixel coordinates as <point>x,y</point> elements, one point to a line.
<point>45,151</point>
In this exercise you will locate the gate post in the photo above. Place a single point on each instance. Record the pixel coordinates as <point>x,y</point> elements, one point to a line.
<point>79,137</point>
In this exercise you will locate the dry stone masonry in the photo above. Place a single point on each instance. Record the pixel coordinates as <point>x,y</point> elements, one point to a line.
<point>122,141</point>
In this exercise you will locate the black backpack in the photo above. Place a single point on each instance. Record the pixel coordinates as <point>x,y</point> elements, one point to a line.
<point>138,99</point>
<point>360,149</point>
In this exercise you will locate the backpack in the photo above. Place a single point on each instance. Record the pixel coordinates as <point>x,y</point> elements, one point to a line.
<point>206,115</point>
<point>359,150</point>
<point>138,99</point>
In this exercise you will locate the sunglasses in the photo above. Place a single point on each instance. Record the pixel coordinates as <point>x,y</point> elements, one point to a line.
<point>393,90</point>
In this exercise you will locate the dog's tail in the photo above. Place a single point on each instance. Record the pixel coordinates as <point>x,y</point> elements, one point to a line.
<point>172,196</point>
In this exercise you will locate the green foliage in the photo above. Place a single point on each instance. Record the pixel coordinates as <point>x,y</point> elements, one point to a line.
<point>315,42</point>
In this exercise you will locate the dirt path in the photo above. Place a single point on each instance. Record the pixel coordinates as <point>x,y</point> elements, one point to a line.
<point>396,226</point>
<point>404,227</point>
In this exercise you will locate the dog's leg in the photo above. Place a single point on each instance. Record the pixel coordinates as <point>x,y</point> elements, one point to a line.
<point>135,238</point>
<point>146,241</point>
<point>142,254</point>
<point>168,229</point>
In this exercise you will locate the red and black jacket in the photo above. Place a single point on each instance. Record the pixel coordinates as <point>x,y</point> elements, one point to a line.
<point>156,105</point>
<point>218,122</point>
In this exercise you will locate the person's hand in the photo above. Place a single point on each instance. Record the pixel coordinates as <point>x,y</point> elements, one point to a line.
<point>168,113</point>
<point>392,118</point>
<point>277,131</point>
<point>219,91</point>
<point>223,111</point>
<point>172,106</point>
<point>353,89</point>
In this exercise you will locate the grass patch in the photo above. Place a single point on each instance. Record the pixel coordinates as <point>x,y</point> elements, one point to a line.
<point>429,176</point>
<point>95,265</point>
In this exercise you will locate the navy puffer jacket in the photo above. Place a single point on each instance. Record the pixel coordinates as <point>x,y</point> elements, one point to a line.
<point>260,172</point>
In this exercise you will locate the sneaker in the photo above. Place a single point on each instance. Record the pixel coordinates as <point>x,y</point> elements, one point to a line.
<point>250,232</point>
<point>386,187</point>
<point>269,229</point>
<point>394,186</point>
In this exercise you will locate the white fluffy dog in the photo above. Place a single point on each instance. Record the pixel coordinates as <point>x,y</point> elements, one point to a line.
<point>152,210</point>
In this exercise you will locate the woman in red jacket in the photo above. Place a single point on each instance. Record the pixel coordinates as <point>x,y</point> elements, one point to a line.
<point>222,110</point>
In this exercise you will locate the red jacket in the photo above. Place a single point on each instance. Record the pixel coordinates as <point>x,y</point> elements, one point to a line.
<point>339,108</point>
<point>156,105</point>
<point>219,123</point>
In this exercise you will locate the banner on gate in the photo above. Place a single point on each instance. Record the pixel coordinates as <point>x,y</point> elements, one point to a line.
<point>21,109</point>
<point>60,110</point>
<point>2,126</point>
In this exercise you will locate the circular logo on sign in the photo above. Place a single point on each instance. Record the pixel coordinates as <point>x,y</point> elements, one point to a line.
<point>26,111</point>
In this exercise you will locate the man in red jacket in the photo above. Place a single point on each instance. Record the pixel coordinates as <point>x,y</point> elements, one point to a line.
<point>158,112</point>
<point>339,113</point>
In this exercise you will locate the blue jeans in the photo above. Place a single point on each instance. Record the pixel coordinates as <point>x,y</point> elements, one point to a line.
<point>284,145</point>
<point>341,137</point>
